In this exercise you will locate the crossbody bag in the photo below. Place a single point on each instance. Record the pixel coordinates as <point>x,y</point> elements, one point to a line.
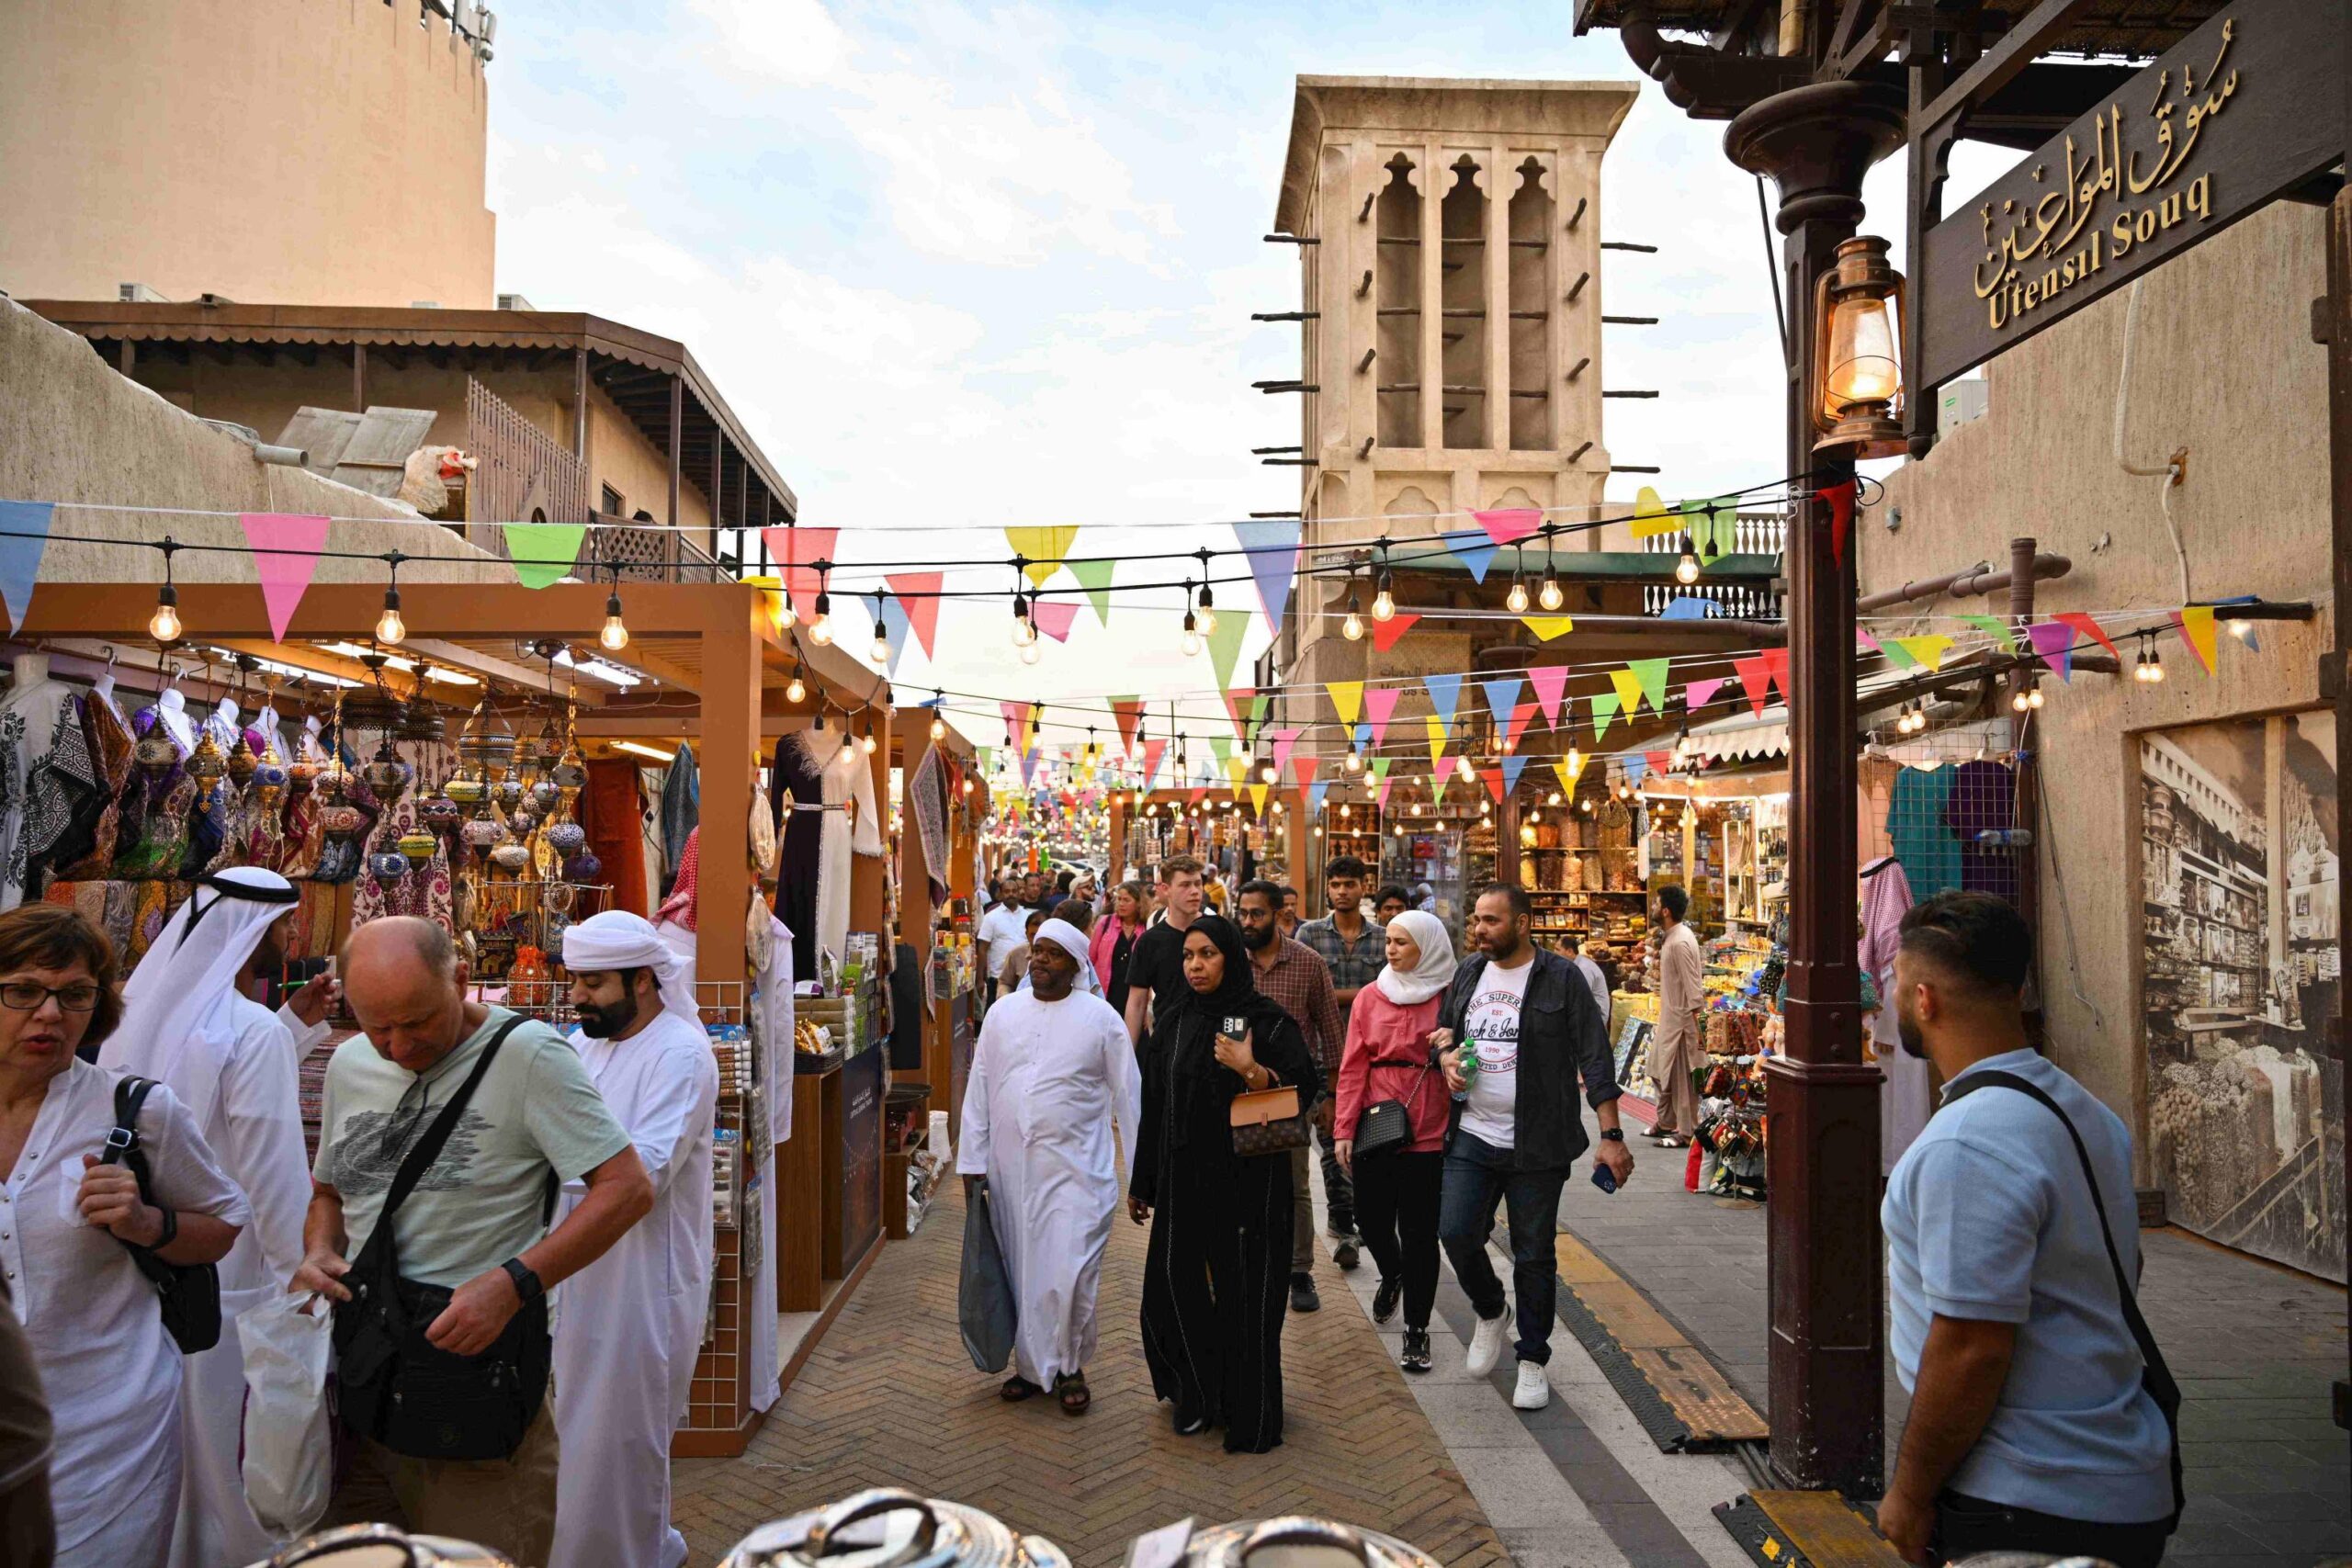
<point>1385,1126</point>
<point>189,1293</point>
<point>398,1387</point>
<point>2154,1376</point>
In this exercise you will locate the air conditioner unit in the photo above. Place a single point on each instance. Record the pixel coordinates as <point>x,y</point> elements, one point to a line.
<point>514,303</point>
<point>138,294</point>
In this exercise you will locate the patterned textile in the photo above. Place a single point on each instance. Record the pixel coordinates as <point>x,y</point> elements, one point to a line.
<point>425,890</point>
<point>928,794</point>
<point>156,903</point>
<point>1299,983</point>
<point>169,797</point>
<point>121,903</point>
<point>681,810</point>
<point>61,783</point>
<point>109,743</point>
<point>1923,841</point>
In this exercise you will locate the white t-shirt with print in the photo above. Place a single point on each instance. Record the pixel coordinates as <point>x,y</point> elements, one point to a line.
<point>1490,1024</point>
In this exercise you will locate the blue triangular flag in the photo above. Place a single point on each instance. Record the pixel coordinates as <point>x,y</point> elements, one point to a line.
<point>1514,765</point>
<point>895,622</point>
<point>24,538</point>
<point>1445,694</point>
<point>1688,609</point>
<point>1474,550</point>
<point>1315,793</point>
<point>1502,696</point>
<point>1272,547</point>
<point>1364,735</point>
<point>1637,769</point>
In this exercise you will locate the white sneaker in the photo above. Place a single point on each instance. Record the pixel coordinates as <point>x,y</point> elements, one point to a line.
<point>1535,1390</point>
<point>1486,1341</point>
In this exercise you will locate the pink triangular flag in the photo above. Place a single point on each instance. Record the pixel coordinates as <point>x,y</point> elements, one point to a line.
<point>2055,642</point>
<point>1550,683</point>
<point>796,552</point>
<point>1865,643</point>
<point>286,553</point>
<point>1053,617</point>
<point>1511,524</point>
<point>1385,785</point>
<point>918,595</point>
<point>1379,707</point>
<point>1520,717</point>
<point>1151,754</point>
<point>1695,695</point>
<point>1285,742</point>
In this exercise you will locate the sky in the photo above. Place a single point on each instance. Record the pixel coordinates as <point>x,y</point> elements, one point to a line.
<point>966,267</point>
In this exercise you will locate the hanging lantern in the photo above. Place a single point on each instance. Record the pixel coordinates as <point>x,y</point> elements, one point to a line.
<point>1856,368</point>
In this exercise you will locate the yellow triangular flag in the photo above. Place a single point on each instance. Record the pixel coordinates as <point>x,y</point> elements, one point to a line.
<point>1257,797</point>
<point>1437,736</point>
<point>1928,649</point>
<point>1650,516</point>
<point>1347,700</point>
<point>2197,630</point>
<point>1043,548</point>
<point>1547,628</point>
<point>1629,690</point>
<point>1234,768</point>
<point>1569,775</point>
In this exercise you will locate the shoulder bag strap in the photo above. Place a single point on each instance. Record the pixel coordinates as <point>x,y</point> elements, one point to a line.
<point>426,1149</point>
<point>2161,1386</point>
<point>122,1140</point>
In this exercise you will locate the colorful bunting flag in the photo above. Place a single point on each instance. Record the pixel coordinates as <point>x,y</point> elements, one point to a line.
<point>1493,777</point>
<point>1381,788</point>
<point>1385,634</point>
<point>1445,693</point>
<point>1094,576</point>
<point>1687,608</point>
<point>1043,549</point>
<point>1567,775</point>
<point>1128,711</point>
<point>1635,769</point>
<point>1302,768</point>
<point>544,552</point>
<point>1259,707</point>
<point>1379,707</point>
<point>1697,695</point>
<point>1651,673</point>
<point>2088,626</point>
<point>26,541</point>
<point>1776,665</point>
<point>1315,793</point>
<point>1512,768</point>
<point>1437,736</point>
<point>1993,626</point>
<point>1840,498</point>
<point>1755,680</point>
<point>919,589</point>
<point>2196,624</point>
<point>1629,690</point>
<point>1257,797</point>
<point>1347,699</point>
<point>1285,742</point>
<point>1237,707</point>
<point>1650,516</point>
<point>1152,751</point>
<point>1865,643</point>
<point>1520,717</point>
<point>1272,547</point>
<point>2055,645</point>
<point>1550,683</point>
<point>1054,617</point>
<point>1225,643</point>
<point>286,553</point>
<point>796,552</point>
<point>1549,629</point>
<point>1502,695</point>
<point>1509,524</point>
<point>1659,762</point>
<point>1016,723</point>
<point>1604,710</point>
<point>1473,549</point>
<point>1927,648</point>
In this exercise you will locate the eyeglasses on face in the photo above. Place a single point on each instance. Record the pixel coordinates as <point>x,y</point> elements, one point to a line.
<point>24,996</point>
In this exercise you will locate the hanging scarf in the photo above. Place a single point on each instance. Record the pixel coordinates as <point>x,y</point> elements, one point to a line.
<point>678,909</point>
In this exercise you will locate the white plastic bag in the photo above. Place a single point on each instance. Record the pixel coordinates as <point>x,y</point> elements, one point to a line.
<point>289,1450</point>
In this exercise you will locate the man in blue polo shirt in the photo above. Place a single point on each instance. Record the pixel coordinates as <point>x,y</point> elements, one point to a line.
<point>2030,1428</point>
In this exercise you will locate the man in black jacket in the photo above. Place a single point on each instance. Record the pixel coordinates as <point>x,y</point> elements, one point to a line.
<point>1528,1030</point>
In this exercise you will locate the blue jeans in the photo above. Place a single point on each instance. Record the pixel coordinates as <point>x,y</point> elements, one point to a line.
<point>1477,1176</point>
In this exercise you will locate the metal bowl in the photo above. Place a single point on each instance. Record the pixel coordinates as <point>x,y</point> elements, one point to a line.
<point>1300,1541</point>
<point>885,1527</point>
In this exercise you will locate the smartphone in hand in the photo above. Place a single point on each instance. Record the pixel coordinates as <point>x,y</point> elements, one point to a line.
<point>1603,1177</point>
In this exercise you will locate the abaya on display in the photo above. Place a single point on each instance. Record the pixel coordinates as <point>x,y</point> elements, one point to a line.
<point>1216,1273</point>
<point>821,780</point>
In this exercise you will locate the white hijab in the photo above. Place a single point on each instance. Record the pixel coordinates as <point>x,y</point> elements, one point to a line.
<point>619,939</point>
<point>1072,940</point>
<point>1432,973</point>
<point>181,990</point>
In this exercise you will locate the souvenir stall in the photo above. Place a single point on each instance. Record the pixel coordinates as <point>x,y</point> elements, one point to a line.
<point>394,759</point>
<point>939,804</point>
<point>1580,869</point>
<point>1725,839</point>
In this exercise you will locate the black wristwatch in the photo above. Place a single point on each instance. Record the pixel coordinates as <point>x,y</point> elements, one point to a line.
<point>526,1284</point>
<point>1607,1135</point>
<point>171,1228</point>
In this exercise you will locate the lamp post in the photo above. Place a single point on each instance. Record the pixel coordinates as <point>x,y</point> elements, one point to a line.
<point>1827,1332</point>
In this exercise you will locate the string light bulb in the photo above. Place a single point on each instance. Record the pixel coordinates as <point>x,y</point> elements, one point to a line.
<point>2017,700</point>
<point>1384,603</point>
<point>1030,652</point>
<point>163,626</point>
<point>2241,628</point>
<point>866,741</point>
<point>1208,597</point>
<point>1686,566</point>
<point>615,637</point>
<point>389,627</point>
<point>1355,760</point>
<point>2033,695</point>
<point>1550,596</point>
<point>1516,598</point>
<point>821,624</point>
<point>1352,626</point>
<point>1191,642</point>
<point>1023,633</point>
<point>881,635</point>
<point>2156,668</point>
<point>798,690</point>
<point>938,724</point>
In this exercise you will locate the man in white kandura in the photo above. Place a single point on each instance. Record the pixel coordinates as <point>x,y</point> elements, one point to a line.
<point>230,1061</point>
<point>628,1327</point>
<point>1052,1067</point>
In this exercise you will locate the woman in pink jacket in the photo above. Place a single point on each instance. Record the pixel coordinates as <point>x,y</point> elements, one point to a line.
<point>1114,941</point>
<point>1387,1057</point>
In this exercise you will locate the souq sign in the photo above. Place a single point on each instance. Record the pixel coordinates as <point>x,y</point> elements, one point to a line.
<point>2248,106</point>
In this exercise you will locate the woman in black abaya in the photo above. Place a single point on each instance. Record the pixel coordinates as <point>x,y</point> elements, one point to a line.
<point>1217,1270</point>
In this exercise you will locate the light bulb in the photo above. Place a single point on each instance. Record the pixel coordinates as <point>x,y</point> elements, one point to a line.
<point>2017,700</point>
<point>1383,605</point>
<point>1208,617</point>
<point>1191,642</point>
<point>1686,568</point>
<point>163,626</point>
<point>1518,600</point>
<point>1030,652</point>
<point>1025,633</point>
<point>2240,629</point>
<point>1355,762</point>
<point>821,624</point>
<point>389,627</point>
<point>1550,597</point>
<point>866,741</point>
<point>2156,668</point>
<point>798,690</point>
<point>938,726</point>
<point>615,637</point>
<point>881,645</point>
<point>1353,627</point>
<point>1268,774</point>
<point>2033,695</point>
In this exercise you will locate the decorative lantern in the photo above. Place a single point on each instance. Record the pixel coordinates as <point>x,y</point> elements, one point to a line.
<point>242,761</point>
<point>512,855</point>
<point>417,848</point>
<point>585,868</point>
<point>1856,368</point>
<point>388,866</point>
<point>385,773</point>
<point>566,838</point>
<point>545,797</point>
<point>482,831</point>
<point>205,764</point>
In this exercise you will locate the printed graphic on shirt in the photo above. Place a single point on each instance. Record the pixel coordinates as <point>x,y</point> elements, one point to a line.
<point>369,1154</point>
<point>1493,1025</point>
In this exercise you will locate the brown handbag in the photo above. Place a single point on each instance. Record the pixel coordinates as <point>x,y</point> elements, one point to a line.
<point>1268,1121</point>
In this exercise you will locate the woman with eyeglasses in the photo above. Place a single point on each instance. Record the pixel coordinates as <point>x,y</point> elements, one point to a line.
<point>108,1366</point>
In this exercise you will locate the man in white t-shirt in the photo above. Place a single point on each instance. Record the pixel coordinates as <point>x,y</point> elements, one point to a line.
<point>1528,1030</point>
<point>1001,931</point>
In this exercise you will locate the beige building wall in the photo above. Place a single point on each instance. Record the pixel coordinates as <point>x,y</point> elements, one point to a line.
<point>72,430</point>
<point>2223,364</point>
<point>277,151</point>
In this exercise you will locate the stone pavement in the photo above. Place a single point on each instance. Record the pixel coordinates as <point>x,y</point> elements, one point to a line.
<point>2255,1348</point>
<point>889,1398</point>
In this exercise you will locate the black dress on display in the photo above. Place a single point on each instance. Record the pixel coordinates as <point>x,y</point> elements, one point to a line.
<point>1217,1269</point>
<point>800,835</point>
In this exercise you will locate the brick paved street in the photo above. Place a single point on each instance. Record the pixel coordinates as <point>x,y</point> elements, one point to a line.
<point>2255,1348</point>
<point>889,1398</point>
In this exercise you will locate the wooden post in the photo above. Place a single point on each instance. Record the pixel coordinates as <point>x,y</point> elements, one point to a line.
<point>1827,1342</point>
<point>718,486</point>
<point>677,446</point>
<point>2337,319</point>
<point>580,403</point>
<point>868,890</point>
<point>2024,739</point>
<point>359,378</point>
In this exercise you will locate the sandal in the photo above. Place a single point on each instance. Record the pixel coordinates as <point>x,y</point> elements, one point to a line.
<point>1017,1388</point>
<point>1071,1391</point>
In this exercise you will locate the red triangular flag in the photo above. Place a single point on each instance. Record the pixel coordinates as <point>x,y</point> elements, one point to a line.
<point>1493,777</point>
<point>918,595</point>
<point>796,552</point>
<point>1237,704</point>
<point>1776,662</point>
<point>1386,633</point>
<point>1659,762</point>
<point>1151,753</point>
<point>2083,622</point>
<point>1840,499</point>
<point>1521,717</point>
<point>1755,679</point>
<point>1129,712</point>
<point>286,552</point>
<point>1510,525</point>
<point>1302,768</point>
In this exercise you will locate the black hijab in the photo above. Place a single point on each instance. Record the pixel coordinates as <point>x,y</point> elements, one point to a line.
<point>1199,1016</point>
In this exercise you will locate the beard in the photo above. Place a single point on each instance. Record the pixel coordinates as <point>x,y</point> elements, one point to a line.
<point>603,1022</point>
<point>1906,1031</point>
<point>1257,938</point>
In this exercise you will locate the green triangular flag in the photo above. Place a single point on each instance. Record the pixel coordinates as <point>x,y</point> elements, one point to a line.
<point>1225,644</point>
<point>1993,626</point>
<point>1604,710</point>
<point>542,552</point>
<point>1259,707</point>
<point>1379,769</point>
<point>1094,576</point>
<point>1651,673</point>
<point>1221,748</point>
